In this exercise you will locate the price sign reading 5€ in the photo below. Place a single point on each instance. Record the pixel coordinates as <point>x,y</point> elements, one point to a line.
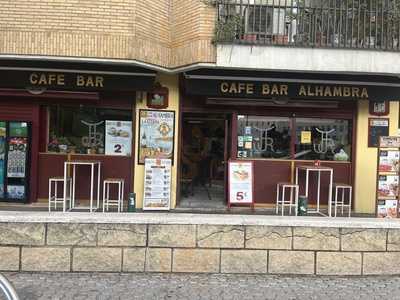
<point>240,182</point>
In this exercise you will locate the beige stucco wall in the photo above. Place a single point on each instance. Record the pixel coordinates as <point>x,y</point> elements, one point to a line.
<point>366,158</point>
<point>171,82</point>
<point>167,33</point>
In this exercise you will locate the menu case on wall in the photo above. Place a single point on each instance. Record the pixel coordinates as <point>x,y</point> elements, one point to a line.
<point>157,184</point>
<point>387,186</point>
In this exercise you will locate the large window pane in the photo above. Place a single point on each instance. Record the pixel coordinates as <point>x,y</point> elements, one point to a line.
<point>81,129</point>
<point>263,137</point>
<point>323,139</point>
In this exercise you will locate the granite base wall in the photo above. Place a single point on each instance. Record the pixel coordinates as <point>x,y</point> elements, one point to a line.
<point>72,247</point>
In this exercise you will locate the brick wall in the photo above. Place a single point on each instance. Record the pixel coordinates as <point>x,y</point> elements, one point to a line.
<point>168,33</point>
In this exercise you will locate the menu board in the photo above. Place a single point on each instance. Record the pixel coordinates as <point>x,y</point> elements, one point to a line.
<point>376,129</point>
<point>389,160</point>
<point>388,186</point>
<point>156,134</point>
<point>118,138</point>
<point>240,182</point>
<point>16,159</point>
<point>387,209</point>
<point>157,184</point>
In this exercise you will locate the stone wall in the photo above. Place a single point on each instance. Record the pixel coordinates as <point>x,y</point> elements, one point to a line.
<point>123,247</point>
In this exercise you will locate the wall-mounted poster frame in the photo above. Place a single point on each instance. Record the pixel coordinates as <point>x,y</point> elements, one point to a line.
<point>388,177</point>
<point>377,127</point>
<point>156,135</point>
<point>240,183</point>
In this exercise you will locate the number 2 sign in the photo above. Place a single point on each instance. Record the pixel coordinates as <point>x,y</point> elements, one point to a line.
<point>118,137</point>
<point>240,182</point>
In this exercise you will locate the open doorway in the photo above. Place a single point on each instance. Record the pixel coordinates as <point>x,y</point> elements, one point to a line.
<point>203,161</point>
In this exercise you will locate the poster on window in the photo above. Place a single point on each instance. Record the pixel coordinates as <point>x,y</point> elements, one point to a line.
<point>388,186</point>
<point>16,159</point>
<point>387,208</point>
<point>118,137</point>
<point>157,184</point>
<point>389,161</point>
<point>240,182</point>
<point>156,134</point>
<point>2,156</point>
<point>15,191</point>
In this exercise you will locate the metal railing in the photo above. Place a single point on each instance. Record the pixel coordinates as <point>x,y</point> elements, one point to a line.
<point>355,24</point>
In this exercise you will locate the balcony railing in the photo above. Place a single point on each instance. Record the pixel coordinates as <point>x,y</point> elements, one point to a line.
<point>354,24</point>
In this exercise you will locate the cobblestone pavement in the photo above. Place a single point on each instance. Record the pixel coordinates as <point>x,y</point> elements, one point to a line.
<point>192,286</point>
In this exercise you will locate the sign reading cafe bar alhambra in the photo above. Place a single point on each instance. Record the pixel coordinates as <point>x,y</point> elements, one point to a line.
<point>293,90</point>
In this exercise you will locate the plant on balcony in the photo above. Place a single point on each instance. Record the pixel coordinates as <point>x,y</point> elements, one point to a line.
<point>228,29</point>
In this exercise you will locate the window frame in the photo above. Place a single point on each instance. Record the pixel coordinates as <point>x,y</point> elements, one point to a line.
<point>292,125</point>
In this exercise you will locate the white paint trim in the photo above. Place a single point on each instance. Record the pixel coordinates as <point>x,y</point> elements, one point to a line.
<point>187,218</point>
<point>296,59</point>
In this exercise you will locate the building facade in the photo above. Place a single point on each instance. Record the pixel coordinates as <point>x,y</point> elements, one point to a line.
<point>279,83</point>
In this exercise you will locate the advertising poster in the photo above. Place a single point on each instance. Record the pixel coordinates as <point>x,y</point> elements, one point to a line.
<point>240,182</point>
<point>157,184</point>
<point>15,191</point>
<point>387,208</point>
<point>118,138</point>
<point>156,134</point>
<point>2,156</point>
<point>388,186</point>
<point>389,161</point>
<point>16,160</point>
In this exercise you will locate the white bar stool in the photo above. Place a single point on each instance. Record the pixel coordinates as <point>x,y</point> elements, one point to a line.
<point>341,203</point>
<point>106,193</point>
<point>293,199</point>
<point>53,194</point>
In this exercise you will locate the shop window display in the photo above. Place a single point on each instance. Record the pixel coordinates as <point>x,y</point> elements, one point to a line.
<point>263,137</point>
<point>81,129</point>
<point>311,139</point>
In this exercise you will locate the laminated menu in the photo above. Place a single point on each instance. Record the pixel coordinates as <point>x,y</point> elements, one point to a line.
<point>387,208</point>
<point>389,161</point>
<point>157,184</point>
<point>388,186</point>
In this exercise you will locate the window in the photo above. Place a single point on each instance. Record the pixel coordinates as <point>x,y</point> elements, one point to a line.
<point>263,137</point>
<point>81,129</point>
<point>322,139</point>
<point>315,139</point>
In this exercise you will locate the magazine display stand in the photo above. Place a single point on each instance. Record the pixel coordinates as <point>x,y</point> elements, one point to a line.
<point>387,177</point>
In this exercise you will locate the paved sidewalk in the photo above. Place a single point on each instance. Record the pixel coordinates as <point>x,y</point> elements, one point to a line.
<point>74,286</point>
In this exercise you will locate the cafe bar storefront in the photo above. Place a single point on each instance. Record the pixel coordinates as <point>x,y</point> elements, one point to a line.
<point>282,120</point>
<point>58,111</point>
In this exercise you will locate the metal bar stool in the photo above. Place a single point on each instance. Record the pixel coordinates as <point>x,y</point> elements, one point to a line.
<point>106,193</point>
<point>341,203</point>
<point>53,194</point>
<point>293,199</point>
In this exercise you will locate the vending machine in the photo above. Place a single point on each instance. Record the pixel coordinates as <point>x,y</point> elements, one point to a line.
<point>14,160</point>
